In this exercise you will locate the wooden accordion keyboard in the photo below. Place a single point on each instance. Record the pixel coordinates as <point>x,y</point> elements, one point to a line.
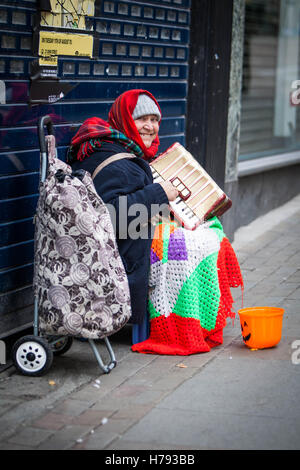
<point>200,198</point>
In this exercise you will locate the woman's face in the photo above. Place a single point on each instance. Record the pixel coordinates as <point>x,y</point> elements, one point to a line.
<point>147,127</point>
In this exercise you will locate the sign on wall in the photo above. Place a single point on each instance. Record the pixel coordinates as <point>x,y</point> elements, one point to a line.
<point>62,29</point>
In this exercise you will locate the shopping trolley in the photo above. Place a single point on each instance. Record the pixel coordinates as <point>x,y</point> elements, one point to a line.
<point>33,354</point>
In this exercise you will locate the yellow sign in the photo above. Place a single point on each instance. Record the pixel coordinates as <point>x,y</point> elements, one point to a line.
<point>68,13</point>
<point>48,61</point>
<point>52,44</point>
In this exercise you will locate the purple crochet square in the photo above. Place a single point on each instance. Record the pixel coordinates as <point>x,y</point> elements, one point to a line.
<point>153,257</point>
<point>177,248</point>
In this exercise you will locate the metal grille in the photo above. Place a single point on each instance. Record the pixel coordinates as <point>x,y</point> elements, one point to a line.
<point>142,45</point>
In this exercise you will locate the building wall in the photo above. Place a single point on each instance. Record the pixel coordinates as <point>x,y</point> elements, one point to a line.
<point>262,165</point>
<point>255,195</point>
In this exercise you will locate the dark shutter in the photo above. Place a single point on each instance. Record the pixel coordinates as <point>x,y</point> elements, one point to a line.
<point>142,45</point>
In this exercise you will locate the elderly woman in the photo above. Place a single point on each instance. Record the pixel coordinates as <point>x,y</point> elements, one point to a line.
<point>189,273</point>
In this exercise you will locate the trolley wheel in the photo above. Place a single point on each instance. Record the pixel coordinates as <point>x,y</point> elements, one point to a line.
<point>32,355</point>
<point>62,346</point>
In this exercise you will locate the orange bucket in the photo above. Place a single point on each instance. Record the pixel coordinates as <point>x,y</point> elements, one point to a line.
<point>261,326</point>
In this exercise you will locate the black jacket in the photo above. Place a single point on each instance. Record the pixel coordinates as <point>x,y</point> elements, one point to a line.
<point>131,178</point>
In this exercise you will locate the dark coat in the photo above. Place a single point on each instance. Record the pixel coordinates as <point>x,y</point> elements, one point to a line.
<point>131,178</point>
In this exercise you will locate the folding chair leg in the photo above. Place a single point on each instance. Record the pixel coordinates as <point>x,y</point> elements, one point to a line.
<point>105,368</point>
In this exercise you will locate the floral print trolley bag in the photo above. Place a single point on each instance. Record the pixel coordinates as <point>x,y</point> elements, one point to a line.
<point>80,284</point>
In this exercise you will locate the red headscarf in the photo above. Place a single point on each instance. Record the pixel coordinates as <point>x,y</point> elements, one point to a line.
<point>120,118</point>
<point>119,127</point>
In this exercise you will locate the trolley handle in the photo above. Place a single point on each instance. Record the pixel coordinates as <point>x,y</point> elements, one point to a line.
<point>44,121</point>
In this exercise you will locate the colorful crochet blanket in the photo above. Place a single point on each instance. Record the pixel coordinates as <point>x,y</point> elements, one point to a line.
<point>190,279</point>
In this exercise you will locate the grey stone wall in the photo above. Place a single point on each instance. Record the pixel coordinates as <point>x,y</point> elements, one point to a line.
<point>256,194</point>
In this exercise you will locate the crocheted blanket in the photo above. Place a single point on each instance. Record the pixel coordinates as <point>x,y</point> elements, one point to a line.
<point>190,279</point>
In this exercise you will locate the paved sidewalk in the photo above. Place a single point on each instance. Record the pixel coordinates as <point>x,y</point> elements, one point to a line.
<point>229,398</point>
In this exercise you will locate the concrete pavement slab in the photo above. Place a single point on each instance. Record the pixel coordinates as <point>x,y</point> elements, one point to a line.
<point>235,402</point>
<point>25,398</point>
<point>228,398</point>
<point>243,385</point>
<point>166,428</point>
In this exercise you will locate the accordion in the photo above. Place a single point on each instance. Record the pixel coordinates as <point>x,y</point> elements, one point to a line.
<point>200,198</point>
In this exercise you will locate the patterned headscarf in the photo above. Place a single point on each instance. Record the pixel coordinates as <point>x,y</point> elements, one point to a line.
<point>120,128</point>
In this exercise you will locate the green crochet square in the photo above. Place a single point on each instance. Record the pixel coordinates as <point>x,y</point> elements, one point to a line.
<point>200,295</point>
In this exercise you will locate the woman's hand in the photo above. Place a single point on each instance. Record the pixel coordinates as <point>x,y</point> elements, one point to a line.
<point>170,190</point>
